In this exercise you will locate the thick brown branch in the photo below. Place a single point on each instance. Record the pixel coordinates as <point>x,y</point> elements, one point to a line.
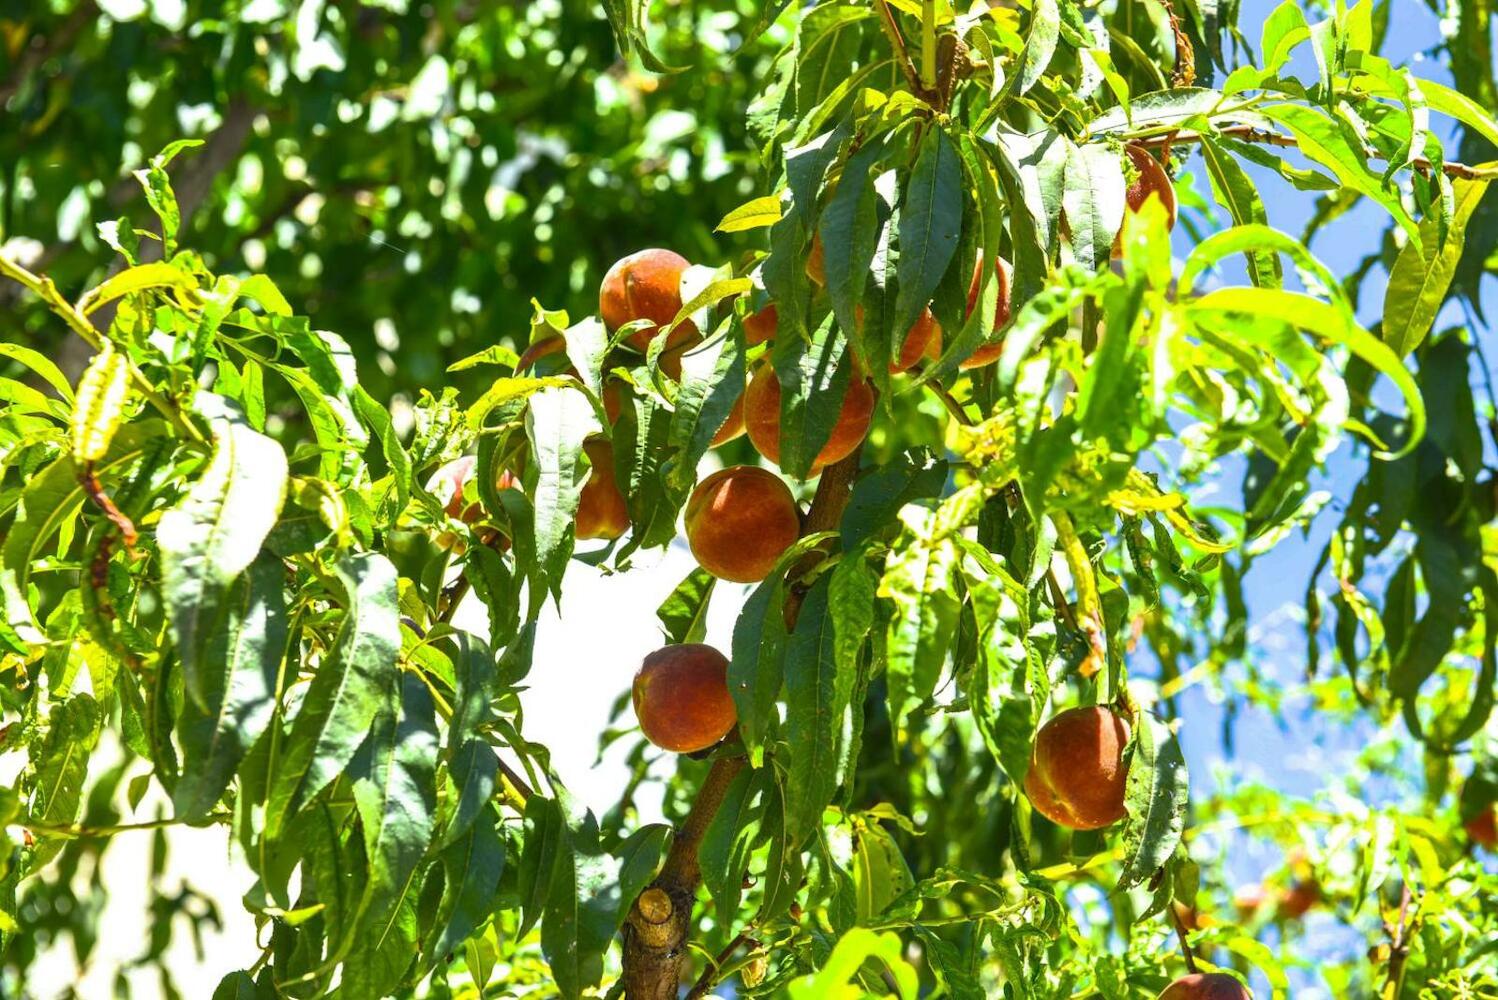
<point>655,933</point>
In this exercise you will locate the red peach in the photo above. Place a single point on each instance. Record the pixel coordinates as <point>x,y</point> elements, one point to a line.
<point>645,285</point>
<point>740,521</point>
<point>601,510</point>
<point>1077,770</point>
<point>681,698</point>
<point>1206,986</point>
<point>762,418</point>
<point>987,354</point>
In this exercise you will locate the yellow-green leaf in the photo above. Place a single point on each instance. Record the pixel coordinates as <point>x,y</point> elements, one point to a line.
<point>756,214</point>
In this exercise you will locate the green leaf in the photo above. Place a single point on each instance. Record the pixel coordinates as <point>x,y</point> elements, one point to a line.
<point>582,905</point>
<point>1422,272</point>
<point>216,531</point>
<point>42,365</point>
<point>377,419</point>
<point>1326,142</point>
<point>929,227</point>
<point>473,865</point>
<point>1235,191</point>
<point>242,661</point>
<point>353,683</point>
<point>757,664</point>
<point>1093,198</point>
<point>817,708</point>
<point>1040,46</point>
<point>60,761</point>
<point>728,841</point>
<point>1306,313</point>
<point>1284,29</point>
<point>918,578</point>
<point>755,214</point>
<point>639,859</point>
<point>814,378</point>
<point>558,421</point>
<point>395,796</point>
<point>50,501</point>
<point>712,381</point>
<point>1155,795</point>
<point>683,614</point>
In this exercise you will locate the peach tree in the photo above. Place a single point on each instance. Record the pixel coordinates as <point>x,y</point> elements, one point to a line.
<point>994,460</point>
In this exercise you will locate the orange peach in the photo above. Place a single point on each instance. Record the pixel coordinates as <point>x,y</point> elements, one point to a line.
<point>816,261</point>
<point>987,354</point>
<point>922,340</point>
<point>645,285</point>
<point>762,418</point>
<point>681,698</point>
<point>740,521</point>
<point>601,510</point>
<point>1150,179</point>
<point>1077,769</point>
<point>732,427</point>
<point>759,327</point>
<point>1206,986</point>
<point>1296,901</point>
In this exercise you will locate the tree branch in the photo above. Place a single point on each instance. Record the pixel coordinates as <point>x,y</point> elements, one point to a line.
<point>655,932</point>
<point>897,42</point>
<point>1250,133</point>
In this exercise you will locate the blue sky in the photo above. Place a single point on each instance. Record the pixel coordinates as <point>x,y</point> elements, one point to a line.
<point>1308,753</point>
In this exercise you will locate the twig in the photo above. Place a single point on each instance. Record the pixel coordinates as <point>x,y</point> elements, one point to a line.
<point>1186,951</point>
<point>897,42</point>
<point>928,45</point>
<point>1251,133</point>
<point>655,932</point>
<point>522,788</point>
<point>45,290</point>
<point>1399,947</point>
<point>77,831</point>
<point>709,975</point>
<point>950,402</point>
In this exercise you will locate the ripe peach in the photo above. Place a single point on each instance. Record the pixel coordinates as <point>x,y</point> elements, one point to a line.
<point>1151,179</point>
<point>645,285</point>
<point>601,510</point>
<point>923,339</point>
<point>1206,986</point>
<point>759,327</point>
<point>732,427</point>
<point>816,261</point>
<point>1483,828</point>
<point>739,521</point>
<point>447,484</point>
<point>1002,310</point>
<point>1077,769</point>
<point>681,698</point>
<point>762,418</point>
<point>1296,901</point>
<point>1248,899</point>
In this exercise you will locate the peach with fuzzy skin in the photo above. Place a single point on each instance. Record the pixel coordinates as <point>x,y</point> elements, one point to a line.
<point>759,327</point>
<point>1296,901</point>
<point>1206,986</point>
<point>762,418</point>
<point>1002,311</point>
<point>601,510</point>
<point>645,285</point>
<point>739,521</point>
<point>681,698</point>
<point>922,340</point>
<point>732,427</point>
<point>1150,179</point>
<point>816,261</point>
<point>1483,828</point>
<point>1077,770</point>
